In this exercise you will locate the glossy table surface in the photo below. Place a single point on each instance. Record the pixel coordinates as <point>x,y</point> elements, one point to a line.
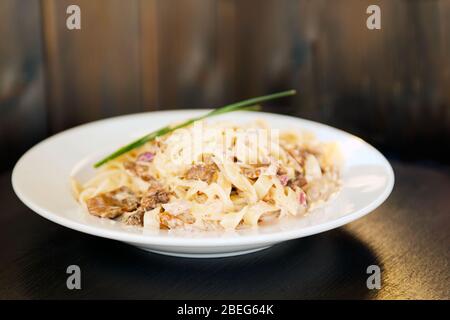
<point>408,237</point>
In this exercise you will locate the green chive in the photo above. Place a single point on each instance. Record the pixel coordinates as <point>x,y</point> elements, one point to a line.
<point>249,104</point>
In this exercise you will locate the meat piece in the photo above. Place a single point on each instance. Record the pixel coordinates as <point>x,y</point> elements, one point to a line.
<point>204,172</point>
<point>138,169</point>
<point>135,218</point>
<point>251,173</point>
<point>155,195</point>
<point>170,221</point>
<point>298,181</point>
<point>112,204</point>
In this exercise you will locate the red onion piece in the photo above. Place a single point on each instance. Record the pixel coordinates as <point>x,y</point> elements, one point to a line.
<point>302,198</point>
<point>284,179</point>
<point>146,157</point>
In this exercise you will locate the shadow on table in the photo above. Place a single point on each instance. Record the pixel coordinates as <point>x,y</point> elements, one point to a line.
<point>328,265</point>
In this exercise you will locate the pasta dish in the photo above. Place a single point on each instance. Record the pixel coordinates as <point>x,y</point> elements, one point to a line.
<point>214,176</point>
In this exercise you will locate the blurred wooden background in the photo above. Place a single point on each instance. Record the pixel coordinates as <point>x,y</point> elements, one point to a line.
<point>391,86</point>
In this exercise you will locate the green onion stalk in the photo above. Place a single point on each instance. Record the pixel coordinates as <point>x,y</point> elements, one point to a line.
<point>245,105</point>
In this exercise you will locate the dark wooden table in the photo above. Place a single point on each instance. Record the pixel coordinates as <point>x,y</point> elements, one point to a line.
<point>408,237</point>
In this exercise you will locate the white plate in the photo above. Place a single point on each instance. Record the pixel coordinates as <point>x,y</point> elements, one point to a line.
<point>41,180</point>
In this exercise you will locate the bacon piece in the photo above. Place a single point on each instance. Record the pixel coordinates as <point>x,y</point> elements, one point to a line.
<point>204,172</point>
<point>138,169</point>
<point>135,218</point>
<point>112,204</point>
<point>155,195</point>
<point>284,179</point>
<point>302,199</point>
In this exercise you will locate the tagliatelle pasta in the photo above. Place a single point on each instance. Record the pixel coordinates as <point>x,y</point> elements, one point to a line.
<point>218,176</point>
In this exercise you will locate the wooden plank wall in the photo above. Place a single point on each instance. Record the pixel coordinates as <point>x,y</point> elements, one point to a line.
<point>389,86</point>
<point>23,117</point>
<point>93,72</point>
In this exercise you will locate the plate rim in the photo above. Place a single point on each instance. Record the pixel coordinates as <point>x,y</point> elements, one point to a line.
<point>202,242</point>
